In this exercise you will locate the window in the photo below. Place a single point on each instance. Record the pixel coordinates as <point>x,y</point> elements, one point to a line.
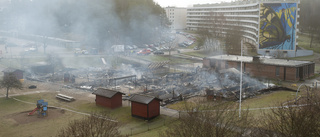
<point>277,71</point>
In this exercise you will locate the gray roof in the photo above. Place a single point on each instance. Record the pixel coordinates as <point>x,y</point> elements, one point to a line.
<point>269,61</point>
<point>10,70</point>
<point>144,99</point>
<point>106,92</point>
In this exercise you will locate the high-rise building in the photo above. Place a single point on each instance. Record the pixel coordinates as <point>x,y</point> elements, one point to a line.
<point>270,25</point>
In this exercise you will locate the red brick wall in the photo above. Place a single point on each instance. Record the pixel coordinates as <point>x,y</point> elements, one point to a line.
<point>154,108</point>
<point>291,74</point>
<point>103,101</point>
<point>260,70</point>
<point>139,109</point>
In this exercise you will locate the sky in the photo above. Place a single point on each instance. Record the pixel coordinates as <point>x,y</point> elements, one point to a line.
<point>185,3</point>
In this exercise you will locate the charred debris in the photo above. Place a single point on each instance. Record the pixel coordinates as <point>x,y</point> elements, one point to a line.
<point>170,87</point>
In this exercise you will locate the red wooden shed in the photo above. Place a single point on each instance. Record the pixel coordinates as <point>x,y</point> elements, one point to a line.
<point>144,106</point>
<point>108,98</point>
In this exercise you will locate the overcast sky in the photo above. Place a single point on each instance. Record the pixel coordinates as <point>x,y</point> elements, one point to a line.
<point>185,3</point>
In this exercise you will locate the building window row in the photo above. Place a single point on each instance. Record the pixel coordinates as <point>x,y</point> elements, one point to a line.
<point>238,23</point>
<point>224,13</point>
<point>228,8</point>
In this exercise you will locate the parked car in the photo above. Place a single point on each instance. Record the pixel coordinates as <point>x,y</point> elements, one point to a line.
<point>182,45</point>
<point>158,52</point>
<point>196,48</point>
<point>144,52</point>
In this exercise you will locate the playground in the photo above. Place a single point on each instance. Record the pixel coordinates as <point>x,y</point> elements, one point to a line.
<point>24,118</point>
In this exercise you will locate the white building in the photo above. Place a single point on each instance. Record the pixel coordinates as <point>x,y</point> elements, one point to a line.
<point>177,17</point>
<point>251,17</point>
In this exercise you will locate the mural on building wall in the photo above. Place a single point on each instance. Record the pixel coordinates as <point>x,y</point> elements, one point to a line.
<point>277,26</point>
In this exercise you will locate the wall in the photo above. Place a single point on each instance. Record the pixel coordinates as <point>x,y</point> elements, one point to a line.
<point>280,18</point>
<point>177,16</point>
<point>116,100</point>
<point>139,109</point>
<point>154,108</point>
<point>257,69</point>
<point>298,53</point>
<point>103,101</point>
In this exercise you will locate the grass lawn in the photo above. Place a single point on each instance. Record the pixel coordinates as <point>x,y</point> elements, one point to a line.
<point>10,107</point>
<point>172,60</point>
<point>42,127</point>
<point>200,53</point>
<point>304,42</point>
<point>269,99</point>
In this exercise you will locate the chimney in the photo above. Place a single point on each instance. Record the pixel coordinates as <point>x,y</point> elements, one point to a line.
<point>255,59</point>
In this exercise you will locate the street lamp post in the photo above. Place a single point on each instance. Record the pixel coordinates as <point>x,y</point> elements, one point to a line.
<point>240,81</point>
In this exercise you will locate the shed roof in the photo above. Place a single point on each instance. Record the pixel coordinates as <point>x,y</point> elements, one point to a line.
<point>144,99</point>
<point>10,70</point>
<point>268,61</point>
<point>106,92</point>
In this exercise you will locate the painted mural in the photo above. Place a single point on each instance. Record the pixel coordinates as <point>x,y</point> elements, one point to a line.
<point>277,26</point>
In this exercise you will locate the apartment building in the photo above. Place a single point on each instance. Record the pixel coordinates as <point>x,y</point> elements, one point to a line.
<point>177,17</point>
<point>270,25</point>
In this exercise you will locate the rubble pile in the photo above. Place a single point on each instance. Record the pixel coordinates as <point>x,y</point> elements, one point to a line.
<point>170,87</point>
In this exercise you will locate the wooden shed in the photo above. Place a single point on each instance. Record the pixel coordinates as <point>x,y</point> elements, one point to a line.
<point>17,72</point>
<point>146,107</point>
<point>108,98</point>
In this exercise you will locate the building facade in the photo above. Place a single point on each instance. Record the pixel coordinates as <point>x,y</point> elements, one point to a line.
<point>177,17</point>
<point>269,25</point>
<point>278,69</point>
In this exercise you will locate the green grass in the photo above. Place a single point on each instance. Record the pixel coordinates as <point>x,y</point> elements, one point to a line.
<point>8,126</point>
<point>304,42</point>
<point>304,58</point>
<point>173,60</point>
<point>201,54</point>
<point>268,100</point>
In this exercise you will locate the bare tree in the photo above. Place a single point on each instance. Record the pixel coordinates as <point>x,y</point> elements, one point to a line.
<point>210,121</point>
<point>92,126</point>
<point>10,81</point>
<point>233,39</point>
<point>296,120</point>
<point>209,35</point>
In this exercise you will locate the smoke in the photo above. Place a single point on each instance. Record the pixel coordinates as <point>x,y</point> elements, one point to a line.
<point>99,23</point>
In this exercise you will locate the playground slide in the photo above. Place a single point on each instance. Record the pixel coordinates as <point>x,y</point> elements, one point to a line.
<point>33,111</point>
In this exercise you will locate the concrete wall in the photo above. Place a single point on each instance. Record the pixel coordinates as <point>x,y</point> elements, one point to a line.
<point>299,53</point>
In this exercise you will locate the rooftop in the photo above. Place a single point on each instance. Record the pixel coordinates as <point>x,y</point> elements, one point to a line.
<point>10,70</point>
<point>144,99</point>
<point>106,92</point>
<point>269,61</point>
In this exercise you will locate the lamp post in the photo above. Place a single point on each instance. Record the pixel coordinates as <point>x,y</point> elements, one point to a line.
<point>240,81</point>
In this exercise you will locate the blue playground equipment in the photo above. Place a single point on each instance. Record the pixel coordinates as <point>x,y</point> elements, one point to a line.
<point>42,108</point>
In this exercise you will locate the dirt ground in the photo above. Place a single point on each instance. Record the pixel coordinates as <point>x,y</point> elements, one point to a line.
<point>24,118</point>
